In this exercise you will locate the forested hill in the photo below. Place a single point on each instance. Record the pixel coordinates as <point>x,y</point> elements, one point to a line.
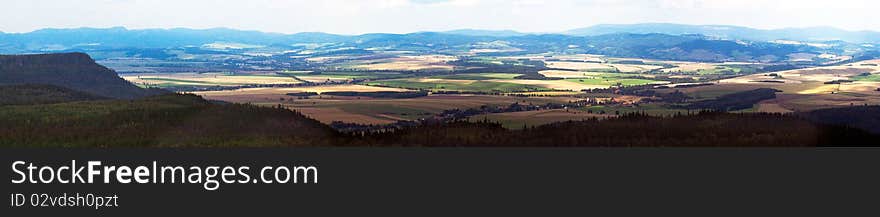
<point>35,94</point>
<point>171,120</point>
<point>75,71</point>
<point>863,117</point>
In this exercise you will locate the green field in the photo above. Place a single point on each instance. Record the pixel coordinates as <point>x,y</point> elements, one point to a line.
<point>476,86</point>
<point>611,81</point>
<point>485,60</point>
<point>357,75</point>
<point>289,72</point>
<point>341,75</point>
<point>478,76</point>
<point>731,69</point>
<point>608,70</point>
<point>608,75</point>
<point>872,77</point>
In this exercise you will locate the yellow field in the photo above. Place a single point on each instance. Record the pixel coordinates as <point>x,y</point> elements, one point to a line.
<point>823,89</point>
<point>442,80</point>
<point>817,74</point>
<point>795,97</point>
<point>811,80</point>
<point>582,57</point>
<point>629,68</point>
<point>804,89</point>
<point>321,79</point>
<point>205,79</point>
<point>861,87</point>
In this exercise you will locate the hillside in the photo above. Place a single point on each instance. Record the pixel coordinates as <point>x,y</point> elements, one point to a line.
<point>75,71</point>
<point>65,100</point>
<point>32,94</point>
<point>635,130</point>
<point>188,121</point>
<point>171,120</point>
<point>691,48</point>
<point>863,117</point>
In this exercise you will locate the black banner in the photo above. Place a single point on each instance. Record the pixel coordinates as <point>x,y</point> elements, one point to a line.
<point>467,182</point>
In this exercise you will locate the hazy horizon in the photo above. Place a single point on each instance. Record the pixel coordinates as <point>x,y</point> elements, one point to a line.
<point>407,16</point>
<point>378,32</point>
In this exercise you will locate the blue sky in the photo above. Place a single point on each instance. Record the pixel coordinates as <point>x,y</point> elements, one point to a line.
<point>402,16</point>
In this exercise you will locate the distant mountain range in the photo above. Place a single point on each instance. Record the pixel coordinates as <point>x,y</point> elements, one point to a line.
<point>812,34</point>
<point>492,33</point>
<point>728,32</point>
<point>122,37</point>
<point>657,41</point>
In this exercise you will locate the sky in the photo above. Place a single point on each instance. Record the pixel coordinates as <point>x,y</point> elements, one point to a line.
<point>405,16</point>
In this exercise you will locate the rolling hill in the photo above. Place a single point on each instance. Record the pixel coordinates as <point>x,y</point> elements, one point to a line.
<point>76,71</point>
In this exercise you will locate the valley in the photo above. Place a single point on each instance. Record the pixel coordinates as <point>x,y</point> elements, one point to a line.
<point>558,88</point>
